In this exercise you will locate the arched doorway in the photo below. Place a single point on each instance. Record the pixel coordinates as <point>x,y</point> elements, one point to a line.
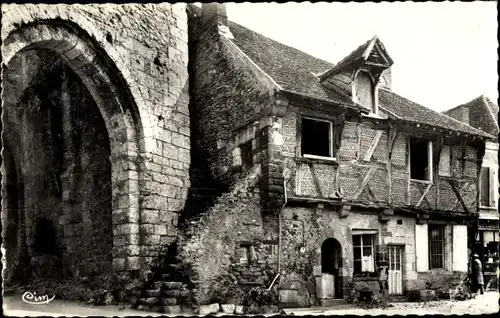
<point>71,112</point>
<point>63,149</point>
<point>331,264</point>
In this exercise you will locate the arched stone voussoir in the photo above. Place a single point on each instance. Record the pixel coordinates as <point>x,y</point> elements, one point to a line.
<point>111,87</point>
<point>91,63</point>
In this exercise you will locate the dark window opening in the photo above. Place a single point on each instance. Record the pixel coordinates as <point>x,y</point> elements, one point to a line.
<point>316,138</point>
<point>436,246</point>
<point>419,159</point>
<point>246,155</point>
<point>45,237</point>
<point>400,222</point>
<point>485,186</point>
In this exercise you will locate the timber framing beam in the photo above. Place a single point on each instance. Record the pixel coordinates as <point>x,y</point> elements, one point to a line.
<point>439,150</point>
<point>316,180</point>
<point>454,187</point>
<point>423,195</point>
<point>392,134</point>
<point>365,181</point>
<point>373,145</point>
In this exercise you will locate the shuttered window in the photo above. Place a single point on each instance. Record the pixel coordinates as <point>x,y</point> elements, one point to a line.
<point>436,246</point>
<point>365,91</point>
<point>363,253</point>
<point>459,248</point>
<point>485,187</point>
<point>422,247</point>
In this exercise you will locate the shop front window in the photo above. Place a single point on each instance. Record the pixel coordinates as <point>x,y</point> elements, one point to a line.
<point>490,250</point>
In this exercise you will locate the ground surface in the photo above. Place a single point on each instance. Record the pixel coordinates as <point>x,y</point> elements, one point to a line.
<point>482,304</point>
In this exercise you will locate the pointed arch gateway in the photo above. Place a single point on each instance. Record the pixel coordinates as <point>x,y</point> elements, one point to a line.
<point>108,113</point>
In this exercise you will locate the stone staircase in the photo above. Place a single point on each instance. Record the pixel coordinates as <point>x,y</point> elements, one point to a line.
<point>167,289</point>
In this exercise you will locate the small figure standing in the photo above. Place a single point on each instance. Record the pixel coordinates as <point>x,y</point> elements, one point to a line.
<point>477,274</point>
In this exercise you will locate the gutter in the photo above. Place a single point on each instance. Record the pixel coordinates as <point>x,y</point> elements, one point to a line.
<point>323,101</point>
<point>279,239</point>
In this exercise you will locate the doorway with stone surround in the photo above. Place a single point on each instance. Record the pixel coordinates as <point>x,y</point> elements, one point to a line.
<point>331,266</point>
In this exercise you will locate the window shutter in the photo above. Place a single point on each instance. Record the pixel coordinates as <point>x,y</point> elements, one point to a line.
<point>492,187</point>
<point>459,248</point>
<point>422,247</point>
<point>485,186</point>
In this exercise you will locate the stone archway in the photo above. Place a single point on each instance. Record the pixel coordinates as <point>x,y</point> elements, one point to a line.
<point>121,120</point>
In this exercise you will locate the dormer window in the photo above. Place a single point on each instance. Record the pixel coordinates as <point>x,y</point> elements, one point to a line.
<point>364,91</point>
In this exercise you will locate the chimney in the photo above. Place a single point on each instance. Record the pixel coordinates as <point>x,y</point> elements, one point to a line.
<point>460,113</point>
<point>465,115</point>
<point>215,15</point>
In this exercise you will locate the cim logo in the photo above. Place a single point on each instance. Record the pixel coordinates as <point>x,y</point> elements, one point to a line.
<point>32,298</point>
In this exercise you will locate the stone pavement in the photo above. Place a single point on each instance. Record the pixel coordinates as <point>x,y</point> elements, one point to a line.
<point>482,304</point>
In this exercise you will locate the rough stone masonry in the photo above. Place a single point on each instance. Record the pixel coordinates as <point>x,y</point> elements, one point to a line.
<point>96,136</point>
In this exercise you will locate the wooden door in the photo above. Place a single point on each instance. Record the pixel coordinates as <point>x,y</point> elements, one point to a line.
<point>395,270</point>
<point>328,285</point>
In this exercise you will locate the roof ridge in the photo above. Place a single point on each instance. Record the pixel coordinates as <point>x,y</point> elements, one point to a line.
<point>487,101</point>
<point>463,105</point>
<point>280,43</point>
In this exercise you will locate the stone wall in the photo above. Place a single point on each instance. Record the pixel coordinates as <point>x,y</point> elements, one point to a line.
<point>211,249</point>
<point>305,229</point>
<point>227,95</point>
<point>136,72</point>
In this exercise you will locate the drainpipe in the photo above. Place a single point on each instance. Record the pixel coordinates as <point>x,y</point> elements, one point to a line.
<point>279,239</point>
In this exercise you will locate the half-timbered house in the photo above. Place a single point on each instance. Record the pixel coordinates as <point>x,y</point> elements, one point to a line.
<point>358,186</point>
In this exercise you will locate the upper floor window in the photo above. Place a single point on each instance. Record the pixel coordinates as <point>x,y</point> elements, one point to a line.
<point>364,91</point>
<point>445,162</point>
<point>420,159</point>
<point>486,184</point>
<point>317,138</point>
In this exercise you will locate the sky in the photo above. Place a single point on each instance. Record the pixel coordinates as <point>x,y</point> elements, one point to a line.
<point>444,53</point>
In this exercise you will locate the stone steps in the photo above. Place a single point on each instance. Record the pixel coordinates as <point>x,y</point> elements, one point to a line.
<point>170,297</point>
<point>167,285</point>
<point>165,292</point>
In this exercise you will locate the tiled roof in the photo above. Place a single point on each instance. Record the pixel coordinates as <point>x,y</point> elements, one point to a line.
<point>293,70</point>
<point>297,72</point>
<point>493,107</point>
<point>483,114</point>
<point>407,110</point>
